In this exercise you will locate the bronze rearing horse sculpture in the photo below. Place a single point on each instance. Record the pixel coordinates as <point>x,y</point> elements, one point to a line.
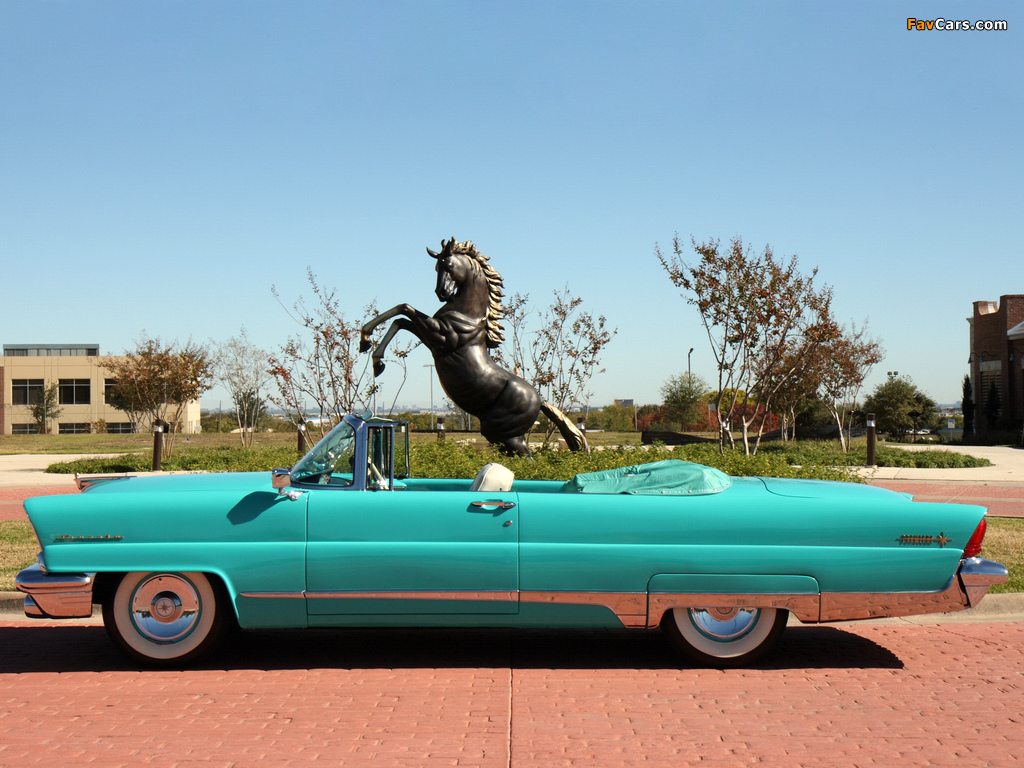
<point>458,335</point>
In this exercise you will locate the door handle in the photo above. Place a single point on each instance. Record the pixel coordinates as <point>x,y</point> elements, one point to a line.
<point>493,504</point>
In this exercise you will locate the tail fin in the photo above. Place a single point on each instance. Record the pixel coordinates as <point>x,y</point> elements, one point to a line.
<point>574,438</point>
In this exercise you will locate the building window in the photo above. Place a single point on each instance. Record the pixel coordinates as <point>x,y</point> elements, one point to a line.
<point>25,429</point>
<point>119,428</point>
<point>108,387</point>
<point>26,391</point>
<point>80,428</point>
<point>78,350</point>
<point>991,389</point>
<point>74,392</point>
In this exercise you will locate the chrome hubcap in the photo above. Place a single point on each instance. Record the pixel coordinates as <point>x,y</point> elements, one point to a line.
<point>165,608</point>
<point>724,625</point>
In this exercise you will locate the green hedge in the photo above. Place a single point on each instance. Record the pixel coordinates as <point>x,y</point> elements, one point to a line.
<point>449,458</point>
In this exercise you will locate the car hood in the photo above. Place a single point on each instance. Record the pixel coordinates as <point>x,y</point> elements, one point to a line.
<point>241,482</point>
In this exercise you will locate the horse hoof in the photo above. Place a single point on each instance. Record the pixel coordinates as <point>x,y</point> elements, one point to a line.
<point>364,345</point>
<point>378,367</point>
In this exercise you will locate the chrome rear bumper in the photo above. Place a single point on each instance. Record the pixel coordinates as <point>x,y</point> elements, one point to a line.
<point>57,595</point>
<point>977,575</point>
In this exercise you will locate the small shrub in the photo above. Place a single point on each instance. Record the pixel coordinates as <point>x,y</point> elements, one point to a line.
<point>211,459</point>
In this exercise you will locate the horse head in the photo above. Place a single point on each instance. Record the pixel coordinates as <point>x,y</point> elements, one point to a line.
<point>458,264</point>
<point>452,270</point>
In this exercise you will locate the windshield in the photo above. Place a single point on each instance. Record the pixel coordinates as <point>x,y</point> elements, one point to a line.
<point>332,456</point>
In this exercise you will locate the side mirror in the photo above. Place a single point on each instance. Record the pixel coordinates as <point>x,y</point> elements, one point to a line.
<point>280,478</point>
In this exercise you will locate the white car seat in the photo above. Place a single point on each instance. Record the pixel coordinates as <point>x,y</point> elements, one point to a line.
<point>493,478</point>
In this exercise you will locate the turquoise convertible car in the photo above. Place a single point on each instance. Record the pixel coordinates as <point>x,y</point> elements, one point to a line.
<point>347,538</point>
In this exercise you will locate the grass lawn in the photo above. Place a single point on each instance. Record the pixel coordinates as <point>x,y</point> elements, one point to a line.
<point>18,549</point>
<point>1004,543</point>
<point>17,444</point>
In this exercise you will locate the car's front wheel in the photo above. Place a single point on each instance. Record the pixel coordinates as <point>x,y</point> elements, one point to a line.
<point>165,619</point>
<point>724,637</point>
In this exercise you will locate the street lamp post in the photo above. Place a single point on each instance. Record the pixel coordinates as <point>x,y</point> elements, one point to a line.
<point>431,395</point>
<point>689,373</point>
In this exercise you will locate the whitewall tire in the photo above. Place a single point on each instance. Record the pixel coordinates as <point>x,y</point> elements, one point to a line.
<point>164,619</point>
<point>724,637</point>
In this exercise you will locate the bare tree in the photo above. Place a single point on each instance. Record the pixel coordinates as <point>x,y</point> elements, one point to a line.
<point>841,365</point>
<point>243,369</point>
<point>319,365</point>
<point>560,357</point>
<point>762,318</point>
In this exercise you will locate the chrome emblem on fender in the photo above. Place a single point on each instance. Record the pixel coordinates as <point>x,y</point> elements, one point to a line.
<point>941,540</point>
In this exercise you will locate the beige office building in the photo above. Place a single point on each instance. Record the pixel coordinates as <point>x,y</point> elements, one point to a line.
<point>27,369</point>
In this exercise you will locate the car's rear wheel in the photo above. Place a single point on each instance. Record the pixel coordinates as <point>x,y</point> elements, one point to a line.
<point>724,637</point>
<point>165,619</point>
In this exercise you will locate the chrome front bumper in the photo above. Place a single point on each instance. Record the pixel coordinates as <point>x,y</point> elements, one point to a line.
<point>57,595</point>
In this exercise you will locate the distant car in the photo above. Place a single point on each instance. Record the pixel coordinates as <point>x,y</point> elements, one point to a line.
<point>346,538</point>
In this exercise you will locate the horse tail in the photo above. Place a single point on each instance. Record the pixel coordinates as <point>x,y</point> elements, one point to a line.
<point>574,438</point>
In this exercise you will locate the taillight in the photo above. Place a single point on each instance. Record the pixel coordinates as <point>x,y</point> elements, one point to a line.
<point>973,548</point>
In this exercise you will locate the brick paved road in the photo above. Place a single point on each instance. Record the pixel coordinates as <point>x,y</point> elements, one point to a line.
<point>11,499</point>
<point>1001,499</point>
<point>893,695</point>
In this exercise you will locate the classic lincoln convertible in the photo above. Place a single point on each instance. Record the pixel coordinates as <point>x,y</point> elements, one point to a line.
<point>348,538</point>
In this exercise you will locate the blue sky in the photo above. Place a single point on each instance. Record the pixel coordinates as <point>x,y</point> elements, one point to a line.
<point>164,163</point>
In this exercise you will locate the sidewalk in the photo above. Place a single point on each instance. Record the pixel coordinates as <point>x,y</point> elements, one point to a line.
<point>27,470</point>
<point>1007,466</point>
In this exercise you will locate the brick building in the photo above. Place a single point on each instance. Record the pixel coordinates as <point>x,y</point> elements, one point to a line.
<point>997,358</point>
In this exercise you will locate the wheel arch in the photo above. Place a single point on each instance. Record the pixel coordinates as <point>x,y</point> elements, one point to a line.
<point>105,584</point>
<point>799,595</point>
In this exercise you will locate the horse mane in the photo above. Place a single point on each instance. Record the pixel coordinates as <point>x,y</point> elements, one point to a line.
<point>495,312</point>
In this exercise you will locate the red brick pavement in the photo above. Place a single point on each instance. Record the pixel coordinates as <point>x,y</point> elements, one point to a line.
<point>893,695</point>
<point>12,499</point>
<point>1001,500</point>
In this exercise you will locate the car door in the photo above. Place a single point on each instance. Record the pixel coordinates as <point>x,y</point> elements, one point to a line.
<point>412,552</point>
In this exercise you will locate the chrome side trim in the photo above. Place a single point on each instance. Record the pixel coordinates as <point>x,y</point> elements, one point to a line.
<point>640,610</point>
<point>274,595</point>
<point>57,595</point>
<point>851,606</point>
<point>491,596</point>
<point>965,590</point>
<point>629,607</point>
<point>486,596</point>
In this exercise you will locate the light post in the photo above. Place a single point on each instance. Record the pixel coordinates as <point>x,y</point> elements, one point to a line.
<point>689,372</point>
<point>914,415</point>
<point>431,395</point>
<point>871,440</point>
